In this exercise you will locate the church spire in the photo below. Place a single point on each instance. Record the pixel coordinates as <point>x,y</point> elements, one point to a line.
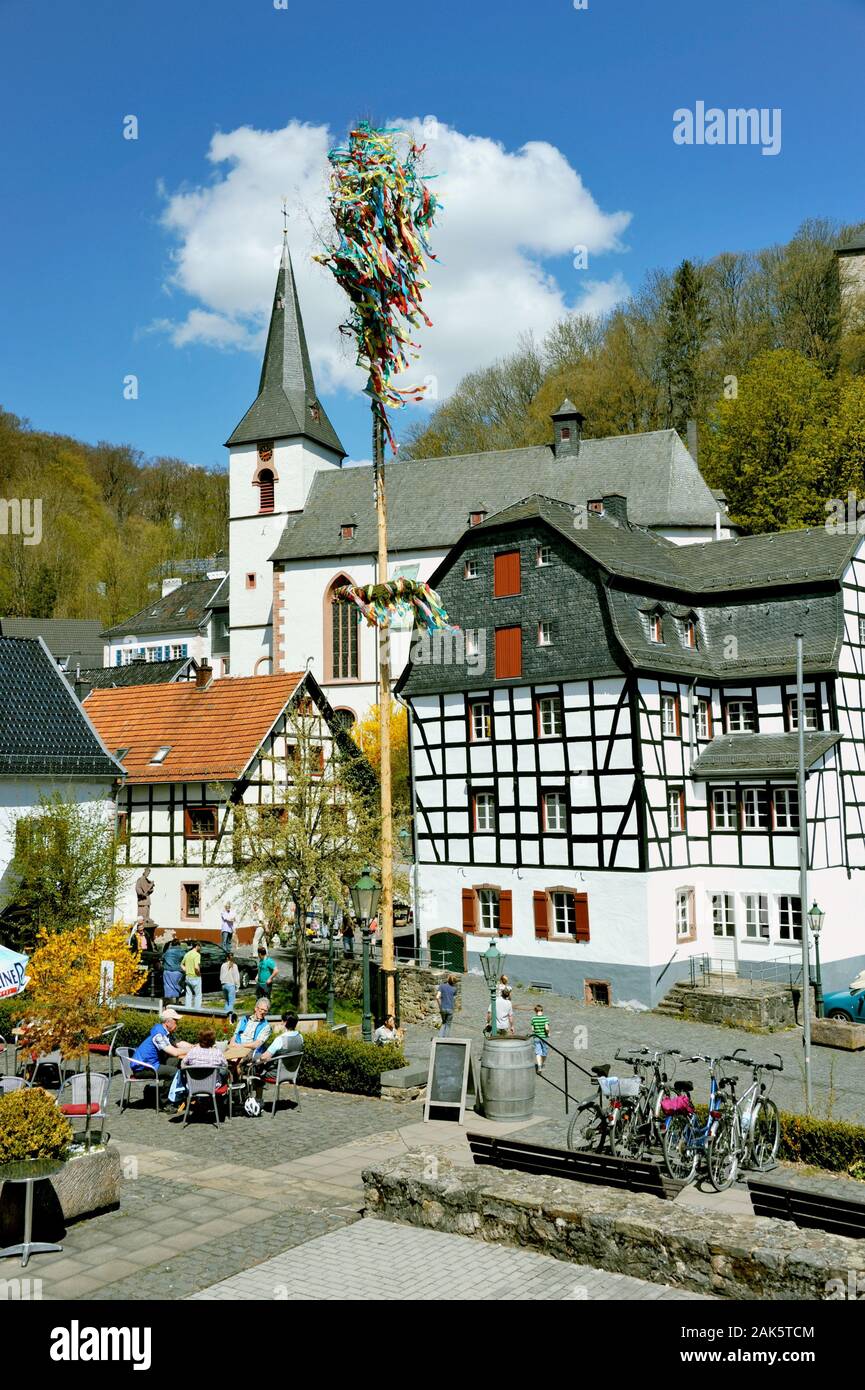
<point>287,404</point>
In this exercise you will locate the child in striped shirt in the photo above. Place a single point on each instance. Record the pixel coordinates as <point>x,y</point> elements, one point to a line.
<point>540,1031</point>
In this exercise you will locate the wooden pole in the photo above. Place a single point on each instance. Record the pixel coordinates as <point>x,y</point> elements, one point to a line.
<point>385,911</point>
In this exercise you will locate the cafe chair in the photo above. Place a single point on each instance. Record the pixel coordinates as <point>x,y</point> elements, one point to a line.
<point>104,1045</point>
<point>287,1069</point>
<point>44,1064</point>
<point>8,1049</point>
<point>203,1083</point>
<point>11,1083</point>
<point>144,1075</point>
<point>76,1106</point>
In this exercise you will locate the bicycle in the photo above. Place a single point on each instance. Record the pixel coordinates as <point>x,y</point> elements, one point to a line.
<point>748,1130</point>
<point>641,1122</point>
<point>587,1131</point>
<point>685,1139</point>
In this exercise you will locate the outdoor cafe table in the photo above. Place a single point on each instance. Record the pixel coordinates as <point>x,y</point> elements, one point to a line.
<point>28,1171</point>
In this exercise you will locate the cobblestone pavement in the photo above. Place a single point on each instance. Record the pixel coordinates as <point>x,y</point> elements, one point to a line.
<point>386,1262</point>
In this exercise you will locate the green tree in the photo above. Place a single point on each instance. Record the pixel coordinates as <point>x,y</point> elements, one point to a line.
<point>686,324</point>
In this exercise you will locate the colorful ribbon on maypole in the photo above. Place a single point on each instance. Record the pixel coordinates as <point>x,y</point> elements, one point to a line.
<point>383,604</point>
<point>382,211</point>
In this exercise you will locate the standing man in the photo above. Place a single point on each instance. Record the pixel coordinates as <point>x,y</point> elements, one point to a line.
<point>172,971</point>
<point>267,973</point>
<point>347,937</point>
<point>446,998</point>
<point>227,927</point>
<point>191,967</point>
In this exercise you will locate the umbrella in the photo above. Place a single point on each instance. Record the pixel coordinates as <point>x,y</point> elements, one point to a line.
<point>12,977</point>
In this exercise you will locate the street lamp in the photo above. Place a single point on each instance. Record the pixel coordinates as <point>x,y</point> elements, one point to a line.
<point>815,921</point>
<point>491,961</point>
<point>364,899</point>
<point>331,1001</point>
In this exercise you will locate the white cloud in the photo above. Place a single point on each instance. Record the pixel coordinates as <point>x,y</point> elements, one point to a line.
<point>505,215</point>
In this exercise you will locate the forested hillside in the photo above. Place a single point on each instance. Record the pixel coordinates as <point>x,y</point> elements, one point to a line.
<point>761,349</point>
<point>110,519</point>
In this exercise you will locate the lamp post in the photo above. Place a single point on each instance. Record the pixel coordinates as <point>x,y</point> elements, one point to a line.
<point>364,899</point>
<point>491,960</point>
<point>331,1001</point>
<point>815,918</point>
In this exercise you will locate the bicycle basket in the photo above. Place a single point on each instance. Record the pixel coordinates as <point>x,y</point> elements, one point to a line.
<point>620,1087</point>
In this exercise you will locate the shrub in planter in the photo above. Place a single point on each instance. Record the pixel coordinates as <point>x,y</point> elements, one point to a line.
<point>31,1126</point>
<point>331,1063</point>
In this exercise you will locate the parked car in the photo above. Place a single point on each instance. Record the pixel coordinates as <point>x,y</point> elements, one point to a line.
<point>847,1004</point>
<point>212,957</point>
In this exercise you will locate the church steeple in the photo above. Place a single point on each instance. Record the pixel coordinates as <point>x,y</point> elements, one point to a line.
<point>287,405</point>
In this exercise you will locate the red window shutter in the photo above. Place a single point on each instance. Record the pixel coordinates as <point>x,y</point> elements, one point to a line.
<point>506,913</point>
<point>468,909</point>
<point>509,652</point>
<point>506,573</point>
<point>581,916</point>
<point>678,715</point>
<point>542,919</point>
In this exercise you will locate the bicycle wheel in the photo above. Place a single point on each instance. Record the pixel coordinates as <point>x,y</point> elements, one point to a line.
<point>625,1140</point>
<point>679,1155</point>
<point>588,1128</point>
<point>722,1157</point>
<point>765,1136</point>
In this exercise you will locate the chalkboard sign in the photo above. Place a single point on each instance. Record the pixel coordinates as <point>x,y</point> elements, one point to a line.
<point>449,1064</point>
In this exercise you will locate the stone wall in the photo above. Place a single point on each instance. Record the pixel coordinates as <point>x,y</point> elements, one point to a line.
<point>417,985</point>
<point>741,1257</point>
<point>751,1004</point>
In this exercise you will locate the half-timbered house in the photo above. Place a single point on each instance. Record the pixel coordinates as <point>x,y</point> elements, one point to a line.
<point>604,757</point>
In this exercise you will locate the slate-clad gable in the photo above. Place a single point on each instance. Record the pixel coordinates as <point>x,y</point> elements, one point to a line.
<point>185,607</point>
<point>43,729</point>
<point>73,641</point>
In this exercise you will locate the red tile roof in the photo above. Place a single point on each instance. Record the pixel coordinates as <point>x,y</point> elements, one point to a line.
<point>212,733</point>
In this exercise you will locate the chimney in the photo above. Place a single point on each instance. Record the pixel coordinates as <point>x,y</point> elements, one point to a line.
<point>616,508</point>
<point>693,442</point>
<point>203,676</point>
<point>169,585</point>
<point>567,430</point>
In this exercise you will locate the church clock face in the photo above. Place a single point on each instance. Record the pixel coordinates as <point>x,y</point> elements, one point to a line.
<point>265,450</point>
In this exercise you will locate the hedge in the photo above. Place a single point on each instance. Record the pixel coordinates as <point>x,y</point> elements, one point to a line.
<point>833,1145</point>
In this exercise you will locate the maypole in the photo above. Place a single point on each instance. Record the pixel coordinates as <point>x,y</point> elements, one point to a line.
<point>382,211</point>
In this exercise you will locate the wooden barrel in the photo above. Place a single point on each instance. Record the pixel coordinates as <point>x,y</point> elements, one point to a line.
<point>508,1078</point>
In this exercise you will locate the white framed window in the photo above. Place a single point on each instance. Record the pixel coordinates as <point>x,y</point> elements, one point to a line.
<point>564,914</point>
<point>755,808</point>
<point>161,754</point>
<point>724,808</point>
<point>471,642</point>
<point>685,918</point>
<point>544,555</point>
<point>485,811</point>
<point>549,720</point>
<point>676,808</point>
<point>786,808</point>
<point>741,717</point>
<point>481,720</point>
<point>757,916</point>
<point>555,811</point>
<point>656,628</point>
<point>790,918</point>
<point>690,632</point>
<point>669,715</point>
<point>723,914</point>
<point>811,719</point>
<point>488,909</point>
<point>545,634</point>
<point>703,717</point>
<point>471,570</point>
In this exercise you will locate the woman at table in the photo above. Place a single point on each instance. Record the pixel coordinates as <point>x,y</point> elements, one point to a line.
<point>203,1053</point>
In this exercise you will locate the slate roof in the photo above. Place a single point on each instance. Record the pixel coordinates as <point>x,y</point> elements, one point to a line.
<point>212,734</point>
<point>287,403</point>
<point>185,607</point>
<point>136,673</point>
<point>852,247</point>
<point>739,755</point>
<point>429,500</point>
<point>77,641</point>
<point>43,729</point>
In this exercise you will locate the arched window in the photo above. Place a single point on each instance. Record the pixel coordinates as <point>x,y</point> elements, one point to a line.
<point>265,487</point>
<point>345,719</point>
<point>341,635</point>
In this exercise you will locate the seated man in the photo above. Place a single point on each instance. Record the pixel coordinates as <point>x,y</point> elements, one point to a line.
<point>287,1044</point>
<point>157,1048</point>
<point>253,1029</point>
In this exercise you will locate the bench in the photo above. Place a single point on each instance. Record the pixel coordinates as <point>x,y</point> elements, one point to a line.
<point>632,1175</point>
<point>809,1208</point>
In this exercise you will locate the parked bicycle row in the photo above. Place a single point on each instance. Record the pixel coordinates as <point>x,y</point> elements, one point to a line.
<point>647,1113</point>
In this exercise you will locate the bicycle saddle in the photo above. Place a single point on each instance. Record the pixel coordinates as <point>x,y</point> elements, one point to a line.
<point>601,1071</point>
<point>686,1086</point>
<point>729,1081</point>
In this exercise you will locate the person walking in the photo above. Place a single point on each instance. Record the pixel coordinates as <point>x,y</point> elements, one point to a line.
<point>227,927</point>
<point>191,967</point>
<point>348,938</point>
<point>540,1033</point>
<point>504,1015</point>
<point>172,971</point>
<point>229,979</point>
<point>446,994</point>
<point>267,973</point>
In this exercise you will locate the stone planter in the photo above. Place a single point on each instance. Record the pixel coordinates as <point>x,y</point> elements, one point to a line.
<point>835,1032</point>
<point>87,1184</point>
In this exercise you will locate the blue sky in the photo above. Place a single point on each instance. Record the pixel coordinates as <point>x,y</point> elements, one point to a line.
<point>86,260</point>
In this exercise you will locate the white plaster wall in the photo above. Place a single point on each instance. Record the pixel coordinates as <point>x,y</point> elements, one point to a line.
<point>19,796</point>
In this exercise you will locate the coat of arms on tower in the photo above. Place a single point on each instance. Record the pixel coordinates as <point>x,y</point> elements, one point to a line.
<point>315,411</point>
<point>265,450</point>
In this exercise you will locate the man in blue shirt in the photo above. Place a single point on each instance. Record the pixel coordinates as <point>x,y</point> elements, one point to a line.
<point>253,1030</point>
<point>446,997</point>
<point>157,1047</point>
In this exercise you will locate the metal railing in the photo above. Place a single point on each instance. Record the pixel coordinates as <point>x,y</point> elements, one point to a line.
<point>405,953</point>
<point>569,1062</point>
<point>778,970</point>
